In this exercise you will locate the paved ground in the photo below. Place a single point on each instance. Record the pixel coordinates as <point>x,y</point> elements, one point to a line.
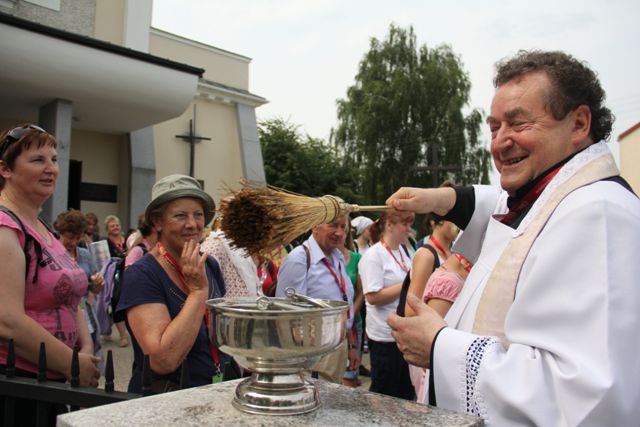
<point>123,359</point>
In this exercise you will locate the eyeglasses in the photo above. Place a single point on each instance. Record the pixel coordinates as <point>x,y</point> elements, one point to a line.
<point>15,134</point>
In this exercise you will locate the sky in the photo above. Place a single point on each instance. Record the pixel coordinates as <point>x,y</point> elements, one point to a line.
<point>305,53</point>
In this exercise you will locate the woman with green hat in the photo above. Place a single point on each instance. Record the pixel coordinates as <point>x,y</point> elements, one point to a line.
<point>164,293</point>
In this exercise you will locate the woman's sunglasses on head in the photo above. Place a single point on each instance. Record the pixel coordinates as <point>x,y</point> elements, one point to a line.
<point>15,134</point>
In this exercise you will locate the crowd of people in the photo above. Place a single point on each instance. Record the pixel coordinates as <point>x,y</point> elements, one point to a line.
<point>518,306</point>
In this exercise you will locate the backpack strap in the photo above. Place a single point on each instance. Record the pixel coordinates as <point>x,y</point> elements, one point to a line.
<point>29,240</point>
<point>48,226</point>
<point>308,254</point>
<point>144,248</point>
<point>406,250</point>
<point>402,299</point>
<point>436,258</point>
<point>403,294</point>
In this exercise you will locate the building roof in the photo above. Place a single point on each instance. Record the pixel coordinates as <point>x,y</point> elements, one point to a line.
<point>628,131</point>
<point>97,44</point>
<point>218,91</point>
<point>112,89</point>
<point>199,44</point>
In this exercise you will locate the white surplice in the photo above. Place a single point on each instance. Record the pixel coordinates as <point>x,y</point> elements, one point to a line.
<point>573,327</point>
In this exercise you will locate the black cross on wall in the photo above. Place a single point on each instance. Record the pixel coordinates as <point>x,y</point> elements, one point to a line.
<point>192,139</point>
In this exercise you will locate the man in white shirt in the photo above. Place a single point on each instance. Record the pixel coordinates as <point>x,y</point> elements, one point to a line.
<point>545,330</point>
<point>317,269</point>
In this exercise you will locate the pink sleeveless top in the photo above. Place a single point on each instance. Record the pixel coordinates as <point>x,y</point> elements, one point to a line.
<point>53,300</point>
<point>443,284</point>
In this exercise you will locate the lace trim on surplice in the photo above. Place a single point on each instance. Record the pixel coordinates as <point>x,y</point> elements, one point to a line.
<point>475,354</point>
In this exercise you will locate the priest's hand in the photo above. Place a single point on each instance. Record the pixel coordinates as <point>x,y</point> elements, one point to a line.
<point>414,335</point>
<point>423,200</point>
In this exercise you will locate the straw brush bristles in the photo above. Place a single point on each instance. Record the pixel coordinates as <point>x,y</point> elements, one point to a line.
<point>260,219</point>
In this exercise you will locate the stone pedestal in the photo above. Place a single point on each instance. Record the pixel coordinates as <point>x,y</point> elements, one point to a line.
<point>211,405</point>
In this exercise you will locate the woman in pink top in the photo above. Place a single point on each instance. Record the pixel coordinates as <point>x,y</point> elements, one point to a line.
<point>445,284</point>
<point>44,307</point>
<point>146,239</point>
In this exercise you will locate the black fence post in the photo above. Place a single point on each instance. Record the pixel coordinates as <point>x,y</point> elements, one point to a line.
<point>109,387</point>
<point>146,377</point>
<point>75,372</point>
<point>11,359</point>
<point>75,368</point>
<point>42,364</point>
<point>42,407</point>
<point>184,375</point>
<point>10,371</point>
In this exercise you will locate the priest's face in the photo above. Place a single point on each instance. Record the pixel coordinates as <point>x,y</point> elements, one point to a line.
<point>526,139</point>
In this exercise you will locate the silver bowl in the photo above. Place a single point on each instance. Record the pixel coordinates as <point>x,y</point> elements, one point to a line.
<point>276,339</point>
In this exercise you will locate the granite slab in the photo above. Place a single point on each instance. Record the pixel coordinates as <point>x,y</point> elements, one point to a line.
<point>211,405</point>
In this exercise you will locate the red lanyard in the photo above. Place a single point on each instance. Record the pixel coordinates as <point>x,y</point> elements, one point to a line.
<point>172,262</point>
<point>341,283</point>
<point>528,199</point>
<point>400,263</point>
<point>120,245</point>
<point>212,348</point>
<point>466,264</point>
<point>438,245</point>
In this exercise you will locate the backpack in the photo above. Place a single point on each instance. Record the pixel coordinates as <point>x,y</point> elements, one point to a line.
<point>118,277</point>
<point>29,241</point>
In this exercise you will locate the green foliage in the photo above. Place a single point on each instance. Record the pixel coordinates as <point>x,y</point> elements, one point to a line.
<point>303,164</point>
<point>404,114</point>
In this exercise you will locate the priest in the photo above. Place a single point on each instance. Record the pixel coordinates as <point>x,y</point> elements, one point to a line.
<point>545,330</point>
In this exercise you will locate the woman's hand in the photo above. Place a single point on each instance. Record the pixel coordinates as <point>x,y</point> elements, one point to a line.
<point>166,339</point>
<point>89,373</point>
<point>354,359</point>
<point>97,283</point>
<point>192,264</point>
<point>354,356</point>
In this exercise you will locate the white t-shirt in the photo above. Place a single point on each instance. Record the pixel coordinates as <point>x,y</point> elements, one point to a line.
<point>378,270</point>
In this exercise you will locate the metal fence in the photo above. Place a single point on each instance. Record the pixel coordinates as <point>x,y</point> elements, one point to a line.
<point>45,392</point>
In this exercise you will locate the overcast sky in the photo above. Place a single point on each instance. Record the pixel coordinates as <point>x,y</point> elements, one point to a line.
<point>305,53</point>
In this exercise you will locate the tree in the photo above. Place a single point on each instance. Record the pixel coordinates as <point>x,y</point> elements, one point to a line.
<point>401,123</point>
<point>303,164</point>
